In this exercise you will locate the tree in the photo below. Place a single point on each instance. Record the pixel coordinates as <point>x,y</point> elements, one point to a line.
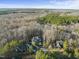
<point>9,46</point>
<point>65,45</point>
<point>75,44</point>
<point>76,53</point>
<point>41,55</point>
<point>30,50</point>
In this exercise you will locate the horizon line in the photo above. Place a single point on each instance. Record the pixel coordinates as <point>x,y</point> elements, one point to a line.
<point>39,8</point>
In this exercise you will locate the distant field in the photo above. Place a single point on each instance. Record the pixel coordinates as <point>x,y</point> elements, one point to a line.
<point>5,11</point>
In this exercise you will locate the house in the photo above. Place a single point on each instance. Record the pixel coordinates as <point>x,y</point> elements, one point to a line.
<point>37,40</point>
<point>59,44</point>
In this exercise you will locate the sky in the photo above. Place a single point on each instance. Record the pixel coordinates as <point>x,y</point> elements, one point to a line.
<point>54,4</point>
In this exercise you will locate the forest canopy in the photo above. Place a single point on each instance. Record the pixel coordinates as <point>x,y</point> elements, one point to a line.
<point>58,19</point>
